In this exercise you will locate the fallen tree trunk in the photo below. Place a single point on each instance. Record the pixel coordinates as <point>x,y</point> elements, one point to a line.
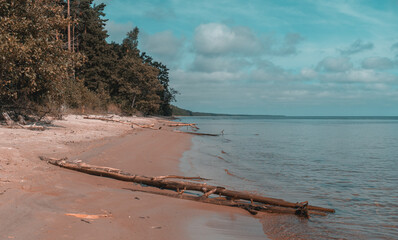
<point>21,123</point>
<point>107,120</point>
<point>33,127</point>
<point>252,208</point>
<point>119,121</point>
<point>200,134</point>
<point>192,125</point>
<point>181,185</point>
<point>9,121</point>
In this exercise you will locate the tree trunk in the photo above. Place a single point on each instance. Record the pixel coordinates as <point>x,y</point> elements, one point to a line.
<point>132,104</point>
<point>162,183</point>
<point>69,40</point>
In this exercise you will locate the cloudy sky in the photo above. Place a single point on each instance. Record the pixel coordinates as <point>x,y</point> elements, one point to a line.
<point>304,57</point>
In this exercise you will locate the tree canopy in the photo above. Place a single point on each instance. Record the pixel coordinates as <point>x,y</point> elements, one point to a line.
<point>38,70</point>
<point>34,64</point>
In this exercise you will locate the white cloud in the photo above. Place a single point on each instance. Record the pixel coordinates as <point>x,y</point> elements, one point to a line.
<point>377,63</point>
<point>187,78</point>
<point>369,76</point>
<point>218,63</point>
<point>308,73</point>
<point>269,73</point>
<point>218,38</point>
<point>359,76</point>
<point>334,64</point>
<point>356,47</point>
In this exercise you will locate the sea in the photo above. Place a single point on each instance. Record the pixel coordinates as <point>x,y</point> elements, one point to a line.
<point>346,163</point>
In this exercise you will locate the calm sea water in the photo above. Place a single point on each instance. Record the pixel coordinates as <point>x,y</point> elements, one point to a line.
<point>348,164</point>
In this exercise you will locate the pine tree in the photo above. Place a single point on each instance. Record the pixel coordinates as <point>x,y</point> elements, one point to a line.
<point>97,71</point>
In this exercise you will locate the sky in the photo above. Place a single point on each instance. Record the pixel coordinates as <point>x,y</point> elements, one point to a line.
<point>282,57</point>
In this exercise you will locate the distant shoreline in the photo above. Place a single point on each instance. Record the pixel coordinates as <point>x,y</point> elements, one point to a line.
<point>180,112</point>
<point>293,117</point>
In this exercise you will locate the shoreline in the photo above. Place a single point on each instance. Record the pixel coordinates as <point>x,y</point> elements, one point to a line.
<point>37,196</point>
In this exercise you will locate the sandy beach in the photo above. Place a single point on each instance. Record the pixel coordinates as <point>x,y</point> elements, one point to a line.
<point>41,201</point>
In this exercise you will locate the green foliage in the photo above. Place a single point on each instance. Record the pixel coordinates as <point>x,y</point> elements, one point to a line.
<point>166,94</point>
<point>33,61</point>
<point>176,111</point>
<point>38,72</point>
<point>97,70</point>
<point>137,84</point>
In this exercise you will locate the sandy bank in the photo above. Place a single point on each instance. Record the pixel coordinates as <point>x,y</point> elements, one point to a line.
<point>36,196</point>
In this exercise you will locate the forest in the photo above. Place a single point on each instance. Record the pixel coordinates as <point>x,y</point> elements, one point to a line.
<point>54,56</point>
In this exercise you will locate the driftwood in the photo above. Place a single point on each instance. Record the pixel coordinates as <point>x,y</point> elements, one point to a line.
<point>200,134</point>
<point>32,127</point>
<point>107,120</point>
<point>21,120</point>
<point>119,121</point>
<point>234,175</point>
<point>250,207</point>
<point>150,126</point>
<point>21,123</point>
<point>87,216</point>
<point>9,121</point>
<point>180,177</point>
<point>181,186</point>
<point>192,125</point>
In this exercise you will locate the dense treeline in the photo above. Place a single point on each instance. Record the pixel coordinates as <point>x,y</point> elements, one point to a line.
<point>52,57</point>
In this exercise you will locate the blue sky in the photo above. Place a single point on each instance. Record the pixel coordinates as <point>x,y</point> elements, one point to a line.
<point>304,57</point>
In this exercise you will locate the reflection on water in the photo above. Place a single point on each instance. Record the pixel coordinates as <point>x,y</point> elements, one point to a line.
<point>347,164</point>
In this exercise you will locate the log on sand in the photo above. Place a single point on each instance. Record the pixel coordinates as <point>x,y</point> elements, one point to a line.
<point>33,127</point>
<point>150,126</point>
<point>252,203</point>
<point>119,121</point>
<point>107,120</point>
<point>9,121</point>
<point>21,123</point>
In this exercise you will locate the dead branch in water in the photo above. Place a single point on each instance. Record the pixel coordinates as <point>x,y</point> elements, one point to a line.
<point>251,208</point>
<point>234,175</point>
<point>200,134</point>
<point>192,125</point>
<point>300,209</point>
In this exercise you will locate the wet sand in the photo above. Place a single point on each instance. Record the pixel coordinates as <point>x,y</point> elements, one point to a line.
<point>36,196</point>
